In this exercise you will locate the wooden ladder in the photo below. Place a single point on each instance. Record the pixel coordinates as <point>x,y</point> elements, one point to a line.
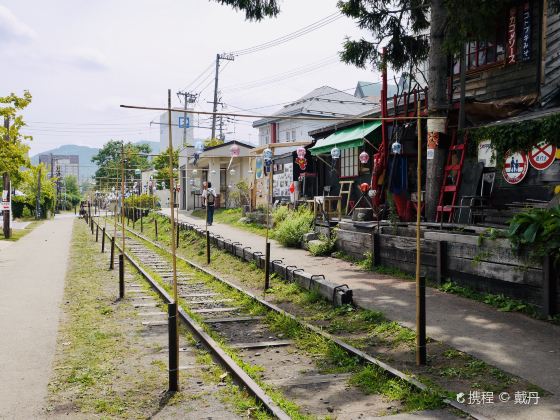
<point>345,190</point>
<point>451,181</point>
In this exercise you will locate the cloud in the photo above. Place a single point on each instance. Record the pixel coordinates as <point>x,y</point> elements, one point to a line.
<point>87,59</point>
<point>13,29</point>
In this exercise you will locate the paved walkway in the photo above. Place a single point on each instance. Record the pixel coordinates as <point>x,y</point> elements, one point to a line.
<point>510,341</point>
<point>32,273</point>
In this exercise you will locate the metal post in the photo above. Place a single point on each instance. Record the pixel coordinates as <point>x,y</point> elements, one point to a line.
<point>96,232</point>
<point>121,276</point>
<point>421,322</point>
<point>215,108</point>
<point>103,240</point>
<point>267,268</point>
<point>173,358</point>
<point>207,246</point>
<point>173,348</point>
<point>123,244</point>
<point>420,281</point>
<point>112,262</point>
<point>142,221</point>
<point>178,235</point>
<point>155,222</point>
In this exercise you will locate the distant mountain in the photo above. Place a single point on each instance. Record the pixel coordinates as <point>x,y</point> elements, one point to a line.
<point>87,167</point>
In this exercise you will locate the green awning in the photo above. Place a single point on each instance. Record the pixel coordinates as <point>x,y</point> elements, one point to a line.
<point>345,139</point>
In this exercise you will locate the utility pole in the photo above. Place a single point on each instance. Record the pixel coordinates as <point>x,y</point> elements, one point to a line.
<point>229,57</point>
<point>6,179</point>
<point>188,98</point>
<point>38,202</point>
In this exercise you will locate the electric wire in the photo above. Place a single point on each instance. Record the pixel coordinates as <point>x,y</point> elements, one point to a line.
<point>288,37</point>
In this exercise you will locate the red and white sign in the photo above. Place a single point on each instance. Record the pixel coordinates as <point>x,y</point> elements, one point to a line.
<point>515,167</point>
<point>542,156</point>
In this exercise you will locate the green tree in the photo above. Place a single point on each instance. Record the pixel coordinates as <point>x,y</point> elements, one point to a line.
<point>29,185</point>
<point>161,164</point>
<point>13,149</point>
<point>72,191</point>
<point>212,142</point>
<point>108,159</point>
<point>254,9</point>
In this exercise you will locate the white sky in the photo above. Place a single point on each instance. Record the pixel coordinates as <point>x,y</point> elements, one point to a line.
<point>81,59</point>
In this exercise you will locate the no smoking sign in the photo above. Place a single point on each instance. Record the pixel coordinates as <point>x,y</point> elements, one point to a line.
<point>542,156</point>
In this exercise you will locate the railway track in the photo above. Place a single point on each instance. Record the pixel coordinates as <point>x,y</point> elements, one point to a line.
<point>250,336</point>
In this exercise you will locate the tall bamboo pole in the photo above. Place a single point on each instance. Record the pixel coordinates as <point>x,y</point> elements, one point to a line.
<point>420,283</point>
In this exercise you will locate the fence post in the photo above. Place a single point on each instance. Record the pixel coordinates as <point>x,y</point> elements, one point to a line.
<point>178,231</point>
<point>103,240</point>
<point>155,221</point>
<point>112,262</point>
<point>441,262</point>
<point>96,232</point>
<point>207,247</point>
<point>267,267</point>
<point>142,221</point>
<point>376,252</point>
<point>550,279</point>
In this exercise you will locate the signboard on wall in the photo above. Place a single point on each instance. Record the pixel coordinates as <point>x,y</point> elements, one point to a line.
<point>512,36</point>
<point>515,167</point>
<point>485,154</point>
<point>526,33</point>
<point>283,180</point>
<point>542,155</point>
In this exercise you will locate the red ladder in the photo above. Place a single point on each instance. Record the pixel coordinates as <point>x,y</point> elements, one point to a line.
<point>451,179</point>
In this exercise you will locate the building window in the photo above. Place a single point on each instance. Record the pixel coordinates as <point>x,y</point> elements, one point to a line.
<point>287,136</point>
<point>349,162</point>
<point>483,53</point>
<point>293,135</point>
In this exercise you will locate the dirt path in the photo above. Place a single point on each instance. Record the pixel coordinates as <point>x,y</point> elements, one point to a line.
<point>32,273</point>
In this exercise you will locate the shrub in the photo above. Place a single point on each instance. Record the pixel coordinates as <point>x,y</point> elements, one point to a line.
<point>326,246</point>
<point>280,214</point>
<point>26,213</point>
<point>537,230</point>
<point>290,231</point>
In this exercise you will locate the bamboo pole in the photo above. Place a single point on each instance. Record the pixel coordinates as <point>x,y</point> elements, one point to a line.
<point>420,283</point>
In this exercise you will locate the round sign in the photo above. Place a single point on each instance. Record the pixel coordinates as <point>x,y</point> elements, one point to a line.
<point>542,155</point>
<point>515,167</point>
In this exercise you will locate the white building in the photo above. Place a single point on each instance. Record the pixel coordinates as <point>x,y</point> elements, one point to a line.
<point>182,137</point>
<point>323,102</point>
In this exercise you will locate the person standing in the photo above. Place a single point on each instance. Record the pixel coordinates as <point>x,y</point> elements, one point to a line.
<point>209,197</point>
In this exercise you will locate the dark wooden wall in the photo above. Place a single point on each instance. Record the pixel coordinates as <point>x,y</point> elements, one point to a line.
<point>506,81</point>
<point>491,266</point>
<point>551,81</point>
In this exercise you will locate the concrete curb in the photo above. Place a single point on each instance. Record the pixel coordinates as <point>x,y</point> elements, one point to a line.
<point>338,294</point>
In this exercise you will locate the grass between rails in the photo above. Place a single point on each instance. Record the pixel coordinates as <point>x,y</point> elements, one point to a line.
<point>368,330</point>
<point>231,217</point>
<point>17,234</point>
<point>328,356</point>
<point>102,364</point>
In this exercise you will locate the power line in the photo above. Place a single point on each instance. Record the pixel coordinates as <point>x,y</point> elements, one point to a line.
<point>293,35</point>
<point>298,71</point>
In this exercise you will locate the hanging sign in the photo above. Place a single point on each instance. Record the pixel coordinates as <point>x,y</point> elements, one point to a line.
<point>515,167</point>
<point>433,143</point>
<point>259,168</point>
<point>512,36</point>
<point>542,156</point>
<point>526,33</point>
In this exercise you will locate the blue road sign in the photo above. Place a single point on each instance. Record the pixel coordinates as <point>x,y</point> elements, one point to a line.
<point>184,122</point>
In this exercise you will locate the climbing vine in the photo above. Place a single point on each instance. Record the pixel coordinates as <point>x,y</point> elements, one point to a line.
<point>517,137</point>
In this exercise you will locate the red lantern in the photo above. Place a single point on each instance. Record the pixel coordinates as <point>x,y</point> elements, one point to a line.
<point>292,187</point>
<point>364,187</point>
<point>364,157</point>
